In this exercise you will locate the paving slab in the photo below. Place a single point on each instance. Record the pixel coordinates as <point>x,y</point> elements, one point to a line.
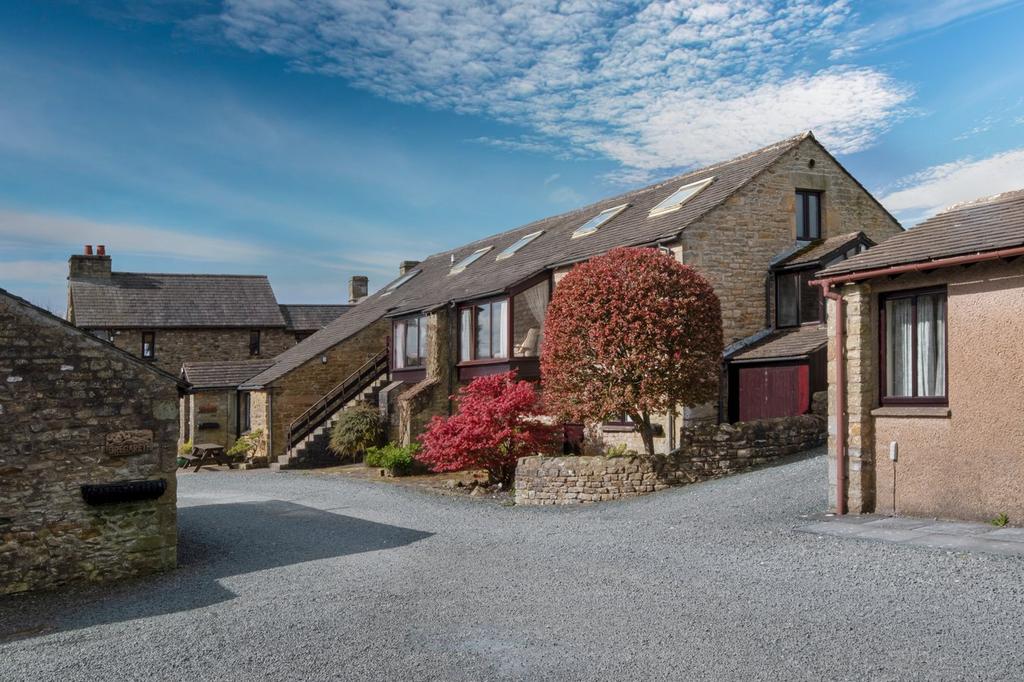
<point>951,536</point>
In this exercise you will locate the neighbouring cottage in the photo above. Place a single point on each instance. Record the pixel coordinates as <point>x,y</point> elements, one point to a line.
<point>214,410</point>
<point>87,455</point>
<point>926,369</point>
<point>168,319</point>
<point>757,226</point>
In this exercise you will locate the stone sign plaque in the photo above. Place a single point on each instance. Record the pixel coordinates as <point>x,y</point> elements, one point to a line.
<point>125,443</point>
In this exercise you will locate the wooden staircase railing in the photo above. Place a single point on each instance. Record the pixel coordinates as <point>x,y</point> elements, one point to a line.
<point>348,389</point>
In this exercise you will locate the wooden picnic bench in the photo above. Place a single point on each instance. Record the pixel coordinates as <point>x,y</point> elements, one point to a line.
<point>204,454</point>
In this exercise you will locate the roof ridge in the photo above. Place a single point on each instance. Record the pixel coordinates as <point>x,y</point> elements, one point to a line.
<point>1009,195</point>
<point>784,144</point>
<point>182,274</point>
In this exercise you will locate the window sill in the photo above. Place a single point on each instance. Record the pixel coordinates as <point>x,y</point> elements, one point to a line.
<point>927,411</point>
<point>618,428</point>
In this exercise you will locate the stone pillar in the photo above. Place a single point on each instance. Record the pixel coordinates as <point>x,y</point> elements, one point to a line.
<point>429,398</point>
<point>861,387</point>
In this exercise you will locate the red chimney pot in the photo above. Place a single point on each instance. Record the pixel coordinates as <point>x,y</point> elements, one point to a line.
<point>88,249</point>
<point>101,250</point>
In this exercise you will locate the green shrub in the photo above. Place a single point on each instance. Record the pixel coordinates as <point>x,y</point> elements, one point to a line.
<point>1000,520</point>
<point>619,450</point>
<point>358,428</point>
<point>246,444</point>
<point>397,459</point>
<point>185,448</point>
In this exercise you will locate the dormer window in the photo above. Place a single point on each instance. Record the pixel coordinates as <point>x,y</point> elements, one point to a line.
<point>676,200</point>
<point>399,282</point>
<point>590,227</point>
<point>518,244</point>
<point>468,260</point>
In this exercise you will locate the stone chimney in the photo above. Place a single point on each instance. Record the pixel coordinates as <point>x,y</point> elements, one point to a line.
<point>358,287</point>
<point>89,264</point>
<point>407,265</point>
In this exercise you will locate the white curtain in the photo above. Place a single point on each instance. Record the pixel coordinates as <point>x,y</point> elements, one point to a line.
<point>499,320</point>
<point>899,341</point>
<point>931,345</point>
<point>536,301</point>
<point>400,344</point>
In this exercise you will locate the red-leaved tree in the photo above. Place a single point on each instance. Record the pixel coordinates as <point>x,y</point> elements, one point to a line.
<point>631,332</point>
<point>496,424</point>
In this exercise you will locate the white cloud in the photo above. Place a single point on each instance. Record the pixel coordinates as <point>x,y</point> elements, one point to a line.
<point>565,196</point>
<point>929,191</point>
<point>904,20</point>
<point>33,271</point>
<point>660,85</point>
<point>71,233</point>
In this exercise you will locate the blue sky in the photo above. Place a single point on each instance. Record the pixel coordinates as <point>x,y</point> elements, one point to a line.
<point>315,140</point>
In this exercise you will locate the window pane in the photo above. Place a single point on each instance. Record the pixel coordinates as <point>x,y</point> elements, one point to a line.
<point>813,216</point>
<point>423,340</point>
<point>399,336</point>
<point>810,300</point>
<point>412,337</point>
<point>483,331</point>
<point>899,347</point>
<point>931,345</point>
<point>788,314</point>
<point>528,313</point>
<point>801,229</point>
<point>465,334</point>
<point>499,329</point>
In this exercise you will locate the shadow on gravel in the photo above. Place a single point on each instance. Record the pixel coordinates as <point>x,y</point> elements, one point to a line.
<point>214,541</point>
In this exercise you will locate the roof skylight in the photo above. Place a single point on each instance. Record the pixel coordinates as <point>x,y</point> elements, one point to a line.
<point>518,244</point>
<point>675,201</point>
<point>400,281</point>
<point>590,227</point>
<point>468,260</point>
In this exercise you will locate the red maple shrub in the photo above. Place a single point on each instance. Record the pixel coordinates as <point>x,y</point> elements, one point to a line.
<point>631,332</point>
<point>496,424</point>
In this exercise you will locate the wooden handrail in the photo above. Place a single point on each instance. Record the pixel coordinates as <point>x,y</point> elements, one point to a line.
<point>348,389</point>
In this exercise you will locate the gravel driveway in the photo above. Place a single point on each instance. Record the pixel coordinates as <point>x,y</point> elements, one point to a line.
<point>303,576</point>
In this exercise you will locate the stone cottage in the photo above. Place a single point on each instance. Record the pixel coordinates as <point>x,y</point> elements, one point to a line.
<point>168,319</point>
<point>87,457</point>
<point>757,226</point>
<point>926,373</point>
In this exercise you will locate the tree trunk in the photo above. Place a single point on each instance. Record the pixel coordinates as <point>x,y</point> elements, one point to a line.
<point>643,422</point>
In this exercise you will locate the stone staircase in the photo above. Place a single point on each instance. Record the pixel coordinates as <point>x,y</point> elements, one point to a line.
<point>311,450</point>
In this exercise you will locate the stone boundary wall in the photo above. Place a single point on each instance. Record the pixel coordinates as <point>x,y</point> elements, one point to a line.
<point>707,451</point>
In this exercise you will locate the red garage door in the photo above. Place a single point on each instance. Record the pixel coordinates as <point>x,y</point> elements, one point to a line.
<point>773,391</point>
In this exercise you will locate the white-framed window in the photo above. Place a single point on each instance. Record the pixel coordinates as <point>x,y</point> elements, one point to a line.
<point>484,331</point>
<point>676,200</point>
<point>518,244</point>
<point>400,281</point>
<point>468,260</point>
<point>590,227</point>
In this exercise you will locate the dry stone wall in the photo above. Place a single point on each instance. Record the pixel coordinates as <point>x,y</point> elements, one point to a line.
<point>707,451</point>
<point>75,411</point>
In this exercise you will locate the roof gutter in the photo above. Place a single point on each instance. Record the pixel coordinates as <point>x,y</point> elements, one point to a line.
<point>951,261</point>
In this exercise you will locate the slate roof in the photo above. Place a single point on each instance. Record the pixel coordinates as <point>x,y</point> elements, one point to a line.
<point>821,250</point>
<point>976,227</point>
<point>301,317</point>
<point>785,343</point>
<point>106,345</point>
<point>222,374</point>
<point>433,286</point>
<point>137,299</point>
